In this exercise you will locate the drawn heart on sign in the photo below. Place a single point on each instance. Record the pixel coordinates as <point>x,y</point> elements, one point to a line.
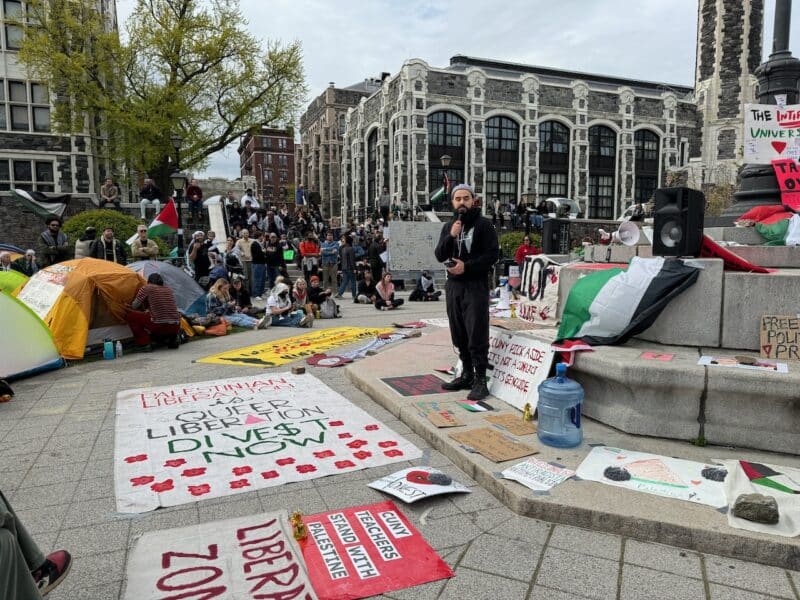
<point>344,464</point>
<point>199,490</point>
<point>137,458</point>
<point>356,444</point>
<point>343,436</point>
<point>766,349</point>
<point>143,480</point>
<point>779,146</point>
<point>282,462</point>
<point>387,444</point>
<point>393,453</point>
<point>194,472</point>
<point>163,486</point>
<point>336,423</point>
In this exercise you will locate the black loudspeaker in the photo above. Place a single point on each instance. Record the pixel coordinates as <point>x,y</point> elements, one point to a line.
<point>678,222</point>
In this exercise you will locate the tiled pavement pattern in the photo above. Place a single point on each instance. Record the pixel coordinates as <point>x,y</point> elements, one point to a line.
<point>56,445</point>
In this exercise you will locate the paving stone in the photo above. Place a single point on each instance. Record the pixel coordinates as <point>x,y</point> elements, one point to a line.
<point>307,501</point>
<point>748,576</point>
<point>721,592</point>
<point>11,480</point>
<point>111,591</point>
<point>29,433</point>
<point>450,531</point>
<point>43,496</point>
<point>524,529</point>
<point>478,500</point>
<point>38,476</point>
<point>429,509</point>
<point>663,558</point>
<point>426,591</point>
<point>638,582</point>
<point>504,557</point>
<point>89,512</point>
<point>94,488</point>
<point>94,539</point>
<point>594,543</point>
<point>100,571</point>
<point>544,593</point>
<point>578,574</point>
<point>238,506</point>
<point>349,494</point>
<point>37,520</point>
<point>474,585</point>
<point>487,520</point>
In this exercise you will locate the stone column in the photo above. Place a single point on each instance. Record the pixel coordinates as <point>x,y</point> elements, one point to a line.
<point>580,143</point>
<point>475,162</point>
<point>529,135</point>
<point>415,109</point>
<point>625,156</point>
<point>669,144</point>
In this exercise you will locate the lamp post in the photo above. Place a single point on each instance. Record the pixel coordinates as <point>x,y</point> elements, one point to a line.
<point>445,160</point>
<point>178,180</point>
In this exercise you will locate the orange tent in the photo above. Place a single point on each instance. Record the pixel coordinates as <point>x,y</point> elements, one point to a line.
<point>82,302</point>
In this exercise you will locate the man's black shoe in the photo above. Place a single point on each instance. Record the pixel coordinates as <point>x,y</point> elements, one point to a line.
<point>462,382</point>
<point>479,389</point>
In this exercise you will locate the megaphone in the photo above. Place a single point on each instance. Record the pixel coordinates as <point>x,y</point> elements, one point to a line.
<point>627,234</point>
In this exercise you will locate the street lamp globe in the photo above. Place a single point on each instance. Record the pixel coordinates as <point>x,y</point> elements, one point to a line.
<point>445,160</point>
<point>177,141</point>
<point>178,180</point>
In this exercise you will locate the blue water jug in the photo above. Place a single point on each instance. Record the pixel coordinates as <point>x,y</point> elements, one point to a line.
<point>560,400</point>
<point>108,349</point>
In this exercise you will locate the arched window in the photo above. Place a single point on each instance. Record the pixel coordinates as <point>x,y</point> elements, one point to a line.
<point>372,170</point>
<point>647,145</point>
<point>502,158</point>
<point>602,165</point>
<point>553,159</point>
<point>446,136</point>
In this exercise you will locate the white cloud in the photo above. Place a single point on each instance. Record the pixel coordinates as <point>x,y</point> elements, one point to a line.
<point>347,40</point>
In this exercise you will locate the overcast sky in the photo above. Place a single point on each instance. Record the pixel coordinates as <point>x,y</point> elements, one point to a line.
<point>345,41</point>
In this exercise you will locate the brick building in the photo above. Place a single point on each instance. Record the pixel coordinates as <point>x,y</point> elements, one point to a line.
<point>269,157</point>
<point>525,132</point>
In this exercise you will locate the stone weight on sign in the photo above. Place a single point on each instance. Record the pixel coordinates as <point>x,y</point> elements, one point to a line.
<point>757,508</point>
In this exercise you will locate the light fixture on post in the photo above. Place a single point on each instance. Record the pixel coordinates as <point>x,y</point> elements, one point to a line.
<point>178,180</point>
<point>177,142</point>
<point>445,160</point>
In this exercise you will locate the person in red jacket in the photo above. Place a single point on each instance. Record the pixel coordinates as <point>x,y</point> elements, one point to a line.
<point>526,248</point>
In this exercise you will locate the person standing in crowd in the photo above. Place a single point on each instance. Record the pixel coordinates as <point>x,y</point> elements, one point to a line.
<point>385,203</point>
<point>154,312</point>
<point>526,248</point>
<point>376,248</point>
<point>249,198</point>
<point>273,259</point>
<point>219,302</point>
<point>259,265</point>
<point>83,246</point>
<point>149,195</point>
<point>143,248</point>
<point>109,248</point>
<point>198,256</point>
<point>244,246</point>
<point>385,299</point>
<point>27,264</point>
<point>109,194</point>
<point>53,243</point>
<point>329,259</point>
<point>347,259</point>
<point>194,198</point>
<point>299,196</point>
<point>469,245</point>
<point>309,251</point>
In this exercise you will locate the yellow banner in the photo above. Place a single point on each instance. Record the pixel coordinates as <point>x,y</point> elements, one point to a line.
<point>286,350</point>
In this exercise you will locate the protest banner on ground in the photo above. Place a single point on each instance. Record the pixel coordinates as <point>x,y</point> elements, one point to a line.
<point>182,443</point>
<point>655,474</point>
<point>780,337</point>
<point>416,483</point>
<point>520,364</point>
<point>771,133</point>
<point>366,551</point>
<point>248,557</point>
<point>537,474</point>
<point>286,350</point>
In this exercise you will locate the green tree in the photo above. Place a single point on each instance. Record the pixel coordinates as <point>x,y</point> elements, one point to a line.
<point>185,67</point>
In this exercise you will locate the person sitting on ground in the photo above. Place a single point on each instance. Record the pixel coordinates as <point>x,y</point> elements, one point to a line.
<point>241,296</point>
<point>283,311</point>
<point>53,243</point>
<point>25,572</point>
<point>218,270</point>
<point>154,313</point>
<point>385,289</point>
<point>526,248</point>
<point>220,303</point>
<point>109,248</point>
<point>83,246</point>
<point>425,290</point>
<point>300,296</point>
<point>143,248</point>
<point>367,292</point>
<point>27,264</point>
<point>109,195</point>
<point>316,293</point>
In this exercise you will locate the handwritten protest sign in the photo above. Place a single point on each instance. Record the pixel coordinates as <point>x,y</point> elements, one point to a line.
<point>438,413</point>
<point>512,423</point>
<point>286,350</point>
<point>539,287</point>
<point>248,557</point>
<point>416,483</point>
<point>780,337</point>
<point>492,444</point>
<point>771,132</point>
<point>537,474</point>
<point>788,176</point>
<point>519,364</point>
<point>366,551</point>
<point>186,442</point>
<point>41,292</point>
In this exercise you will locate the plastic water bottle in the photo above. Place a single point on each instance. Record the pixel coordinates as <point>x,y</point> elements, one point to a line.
<point>108,349</point>
<point>560,400</point>
<point>119,349</point>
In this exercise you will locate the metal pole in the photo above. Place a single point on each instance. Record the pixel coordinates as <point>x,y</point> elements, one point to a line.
<point>780,29</point>
<point>178,197</point>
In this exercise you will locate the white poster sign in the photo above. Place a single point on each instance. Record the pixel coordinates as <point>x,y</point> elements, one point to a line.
<point>539,288</point>
<point>248,557</point>
<point>770,132</point>
<point>537,475</point>
<point>416,483</point>
<point>41,292</point>
<point>520,364</point>
<point>187,442</point>
<point>655,474</point>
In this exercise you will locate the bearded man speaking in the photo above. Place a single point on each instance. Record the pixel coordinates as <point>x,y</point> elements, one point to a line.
<point>469,249</point>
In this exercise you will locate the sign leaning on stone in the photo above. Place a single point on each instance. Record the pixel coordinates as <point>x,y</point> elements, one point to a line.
<point>780,337</point>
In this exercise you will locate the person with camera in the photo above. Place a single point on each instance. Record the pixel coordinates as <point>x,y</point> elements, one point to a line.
<point>469,248</point>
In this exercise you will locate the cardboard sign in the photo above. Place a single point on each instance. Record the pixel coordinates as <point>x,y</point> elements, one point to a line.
<point>513,324</point>
<point>731,362</point>
<point>438,414</point>
<point>520,364</point>
<point>492,444</point>
<point>537,474</point>
<point>655,474</point>
<point>367,551</point>
<point>286,350</point>
<point>42,291</point>
<point>770,132</point>
<point>780,337</point>
<point>415,385</point>
<point>659,356</point>
<point>512,423</point>
<point>788,176</point>
<point>187,442</point>
<point>416,483</point>
<point>248,557</point>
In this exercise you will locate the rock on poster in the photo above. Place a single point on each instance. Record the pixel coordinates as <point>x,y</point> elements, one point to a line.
<point>655,474</point>
<point>248,557</point>
<point>187,442</point>
<point>519,364</point>
<point>366,551</point>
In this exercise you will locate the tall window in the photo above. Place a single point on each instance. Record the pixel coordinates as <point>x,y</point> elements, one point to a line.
<point>553,159</point>
<point>24,106</point>
<point>602,165</point>
<point>27,174</point>
<point>502,158</point>
<point>372,169</point>
<point>12,12</point>
<point>647,145</point>
<point>446,136</point>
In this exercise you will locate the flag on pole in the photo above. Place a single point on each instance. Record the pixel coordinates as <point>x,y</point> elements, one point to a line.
<point>164,224</point>
<point>446,183</point>
<point>41,204</point>
<point>437,195</point>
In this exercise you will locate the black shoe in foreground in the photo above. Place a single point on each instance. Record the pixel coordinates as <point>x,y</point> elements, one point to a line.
<point>479,390</point>
<point>462,382</point>
<point>55,568</point>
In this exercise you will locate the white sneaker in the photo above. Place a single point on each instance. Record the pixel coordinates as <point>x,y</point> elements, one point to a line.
<point>264,322</point>
<point>307,321</point>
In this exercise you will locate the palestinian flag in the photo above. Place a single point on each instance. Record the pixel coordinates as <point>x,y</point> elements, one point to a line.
<point>611,306</point>
<point>766,475</point>
<point>164,224</point>
<point>441,193</point>
<point>40,204</point>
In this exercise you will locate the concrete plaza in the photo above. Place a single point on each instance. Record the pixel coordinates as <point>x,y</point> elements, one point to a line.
<point>56,449</point>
